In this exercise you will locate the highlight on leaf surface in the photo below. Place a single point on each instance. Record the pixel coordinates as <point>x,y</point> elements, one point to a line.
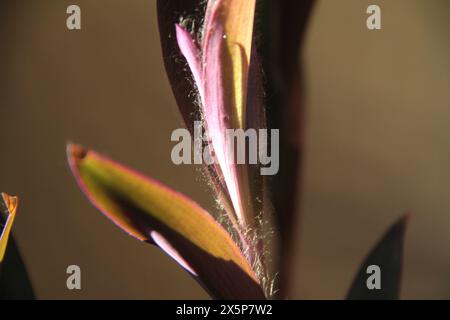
<point>152,212</point>
<point>232,22</point>
<point>387,257</point>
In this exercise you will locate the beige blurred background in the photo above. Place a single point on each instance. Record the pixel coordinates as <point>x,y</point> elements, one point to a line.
<point>378,142</point>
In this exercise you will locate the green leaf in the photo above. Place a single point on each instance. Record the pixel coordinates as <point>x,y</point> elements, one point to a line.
<point>14,280</point>
<point>387,255</point>
<point>154,213</point>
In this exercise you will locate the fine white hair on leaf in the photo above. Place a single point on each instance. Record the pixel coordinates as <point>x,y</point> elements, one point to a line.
<point>254,242</point>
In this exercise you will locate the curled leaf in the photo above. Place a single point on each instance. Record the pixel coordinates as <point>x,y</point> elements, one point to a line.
<point>14,280</point>
<point>224,52</point>
<point>152,212</point>
<point>386,257</point>
<point>8,209</point>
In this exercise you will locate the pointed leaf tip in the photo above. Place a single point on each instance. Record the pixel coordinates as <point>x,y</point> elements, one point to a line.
<point>190,51</point>
<point>386,257</point>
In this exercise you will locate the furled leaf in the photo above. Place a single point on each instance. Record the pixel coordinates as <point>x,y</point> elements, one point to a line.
<point>387,255</point>
<point>226,52</point>
<point>176,42</point>
<point>151,212</point>
<point>14,280</point>
<point>179,22</point>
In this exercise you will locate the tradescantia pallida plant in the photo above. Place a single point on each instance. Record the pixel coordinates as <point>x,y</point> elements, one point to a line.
<point>228,264</point>
<point>225,251</point>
